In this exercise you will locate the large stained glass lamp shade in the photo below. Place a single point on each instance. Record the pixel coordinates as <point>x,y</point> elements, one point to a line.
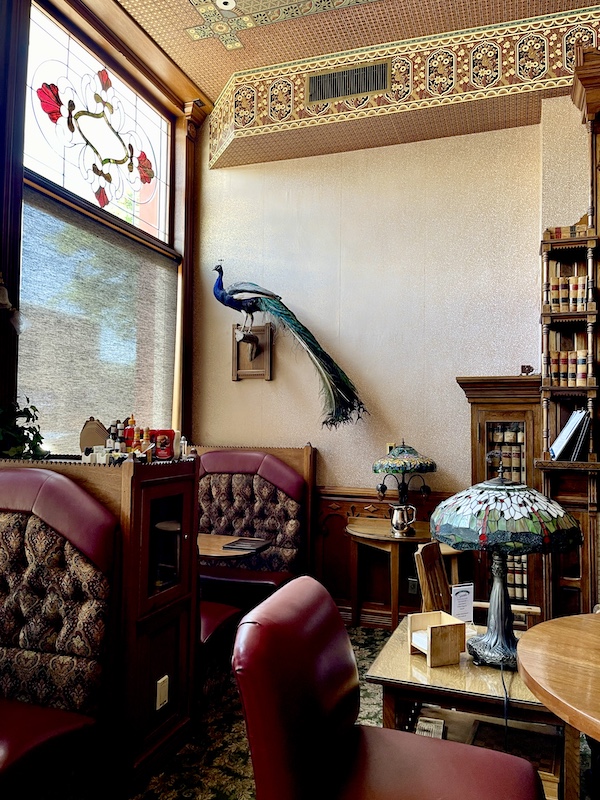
<point>502,517</point>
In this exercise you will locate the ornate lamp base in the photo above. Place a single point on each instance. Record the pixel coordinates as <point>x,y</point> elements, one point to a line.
<point>486,651</point>
<point>497,647</point>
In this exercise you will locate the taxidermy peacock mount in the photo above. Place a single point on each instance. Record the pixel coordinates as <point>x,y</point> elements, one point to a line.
<point>341,403</point>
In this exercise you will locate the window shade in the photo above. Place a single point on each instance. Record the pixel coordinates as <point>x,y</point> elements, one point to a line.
<point>99,313</point>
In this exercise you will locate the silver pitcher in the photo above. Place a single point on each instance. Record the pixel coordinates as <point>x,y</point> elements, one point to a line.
<point>402,517</point>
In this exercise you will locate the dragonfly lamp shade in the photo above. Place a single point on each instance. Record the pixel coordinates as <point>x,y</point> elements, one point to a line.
<point>403,460</point>
<point>502,517</point>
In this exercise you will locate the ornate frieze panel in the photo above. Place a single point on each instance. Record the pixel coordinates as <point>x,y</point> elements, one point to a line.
<point>224,24</point>
<point>535,55</point>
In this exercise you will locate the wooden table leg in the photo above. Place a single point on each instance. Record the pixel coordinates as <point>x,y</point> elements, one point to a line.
<point>354,604</point>
<point>571,763</point>
<point>396,713</point>
<point>395,585</point>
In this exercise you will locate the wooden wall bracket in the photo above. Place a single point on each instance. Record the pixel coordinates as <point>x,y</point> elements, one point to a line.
<point>251,352</point>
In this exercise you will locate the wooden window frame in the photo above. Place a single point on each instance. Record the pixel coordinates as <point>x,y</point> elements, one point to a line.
<point>128,50</point>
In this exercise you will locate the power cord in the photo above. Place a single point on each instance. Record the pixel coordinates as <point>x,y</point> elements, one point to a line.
<point>505,708</point>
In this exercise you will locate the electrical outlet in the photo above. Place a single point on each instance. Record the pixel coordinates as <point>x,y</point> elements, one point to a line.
<point>389,446</point>
<point>162,692</point>
<point>413,586</point>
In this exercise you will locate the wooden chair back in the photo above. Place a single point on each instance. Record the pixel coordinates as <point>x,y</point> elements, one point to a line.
<point>433,578</point>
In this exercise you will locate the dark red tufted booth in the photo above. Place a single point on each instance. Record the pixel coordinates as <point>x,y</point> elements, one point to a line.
<point>56,558</point>
<point>251,493</point>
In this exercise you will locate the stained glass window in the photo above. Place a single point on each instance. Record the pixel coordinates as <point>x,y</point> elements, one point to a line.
<point>89,132</point>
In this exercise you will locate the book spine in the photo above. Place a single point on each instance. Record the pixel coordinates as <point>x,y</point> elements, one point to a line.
<point>554,368</point>
<point>563,368</point>
<point>554,293</point>
<point>506,459</point>
<point>573,292</point>
<point>582,293</point>
<point>518,578</point>
<point>493,464</point>
<point>572,368</point>
<point>563,291</point>
<point>581,379</point>
<point>510,576</point>
<point>515,461</point>
<point>524,581</point>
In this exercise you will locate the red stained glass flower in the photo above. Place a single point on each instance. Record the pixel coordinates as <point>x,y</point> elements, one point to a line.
<point>483,538</point>
<point>145,168</point>
<point>104,80</point>
<point>50,100</point>
<point>101,197</point>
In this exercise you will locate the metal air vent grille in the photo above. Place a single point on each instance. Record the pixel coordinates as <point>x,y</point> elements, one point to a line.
<point>339,84</point>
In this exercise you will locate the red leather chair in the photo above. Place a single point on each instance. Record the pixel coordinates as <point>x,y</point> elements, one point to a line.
<point>298,680</point>
<point>56,557</point>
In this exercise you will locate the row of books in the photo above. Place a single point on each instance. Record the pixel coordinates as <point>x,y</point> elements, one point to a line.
<point>577,231</point>
<point>572,442</point>
<point>513,462</point>
<point>568,293</point>
<point>516,578</point>
<point>568,368</point>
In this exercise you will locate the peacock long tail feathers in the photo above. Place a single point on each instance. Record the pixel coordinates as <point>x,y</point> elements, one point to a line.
<point>340,398</point>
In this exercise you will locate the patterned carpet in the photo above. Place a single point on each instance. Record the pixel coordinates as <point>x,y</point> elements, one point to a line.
<point>215,764</point>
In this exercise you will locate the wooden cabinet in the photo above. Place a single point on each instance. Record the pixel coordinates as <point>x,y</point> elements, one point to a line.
<point>158,524</point>
<point>505,427</point>
<point>505,418</point>
<point>155,596</point>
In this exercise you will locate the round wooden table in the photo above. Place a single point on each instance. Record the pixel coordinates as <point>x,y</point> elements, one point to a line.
<point>559,660</point>
<point>377,533</point>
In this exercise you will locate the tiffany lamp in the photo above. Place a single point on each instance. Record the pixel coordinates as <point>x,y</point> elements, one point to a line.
<point>403,461</point>
<point>502,517</point>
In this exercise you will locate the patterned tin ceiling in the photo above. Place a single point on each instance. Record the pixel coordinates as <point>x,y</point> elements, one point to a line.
<point>243,53</point>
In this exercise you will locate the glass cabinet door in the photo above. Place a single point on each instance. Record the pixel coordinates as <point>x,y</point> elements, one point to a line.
<point>505,446</point>
<point>505,439</point>
<point>166,542</point>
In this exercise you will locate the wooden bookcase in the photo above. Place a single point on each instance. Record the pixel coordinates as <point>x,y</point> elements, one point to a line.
<point>157,508</point>
<point>505,419</point>
<point>571,583</point>
<point>569,335</point>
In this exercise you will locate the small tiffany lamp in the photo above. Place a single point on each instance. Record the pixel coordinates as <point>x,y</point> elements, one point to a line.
<point>502,517</point>
<point>403,461</point>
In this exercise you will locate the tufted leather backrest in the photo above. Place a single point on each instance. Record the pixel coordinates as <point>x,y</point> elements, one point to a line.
<point>56,552</point>
<point>249,493</point>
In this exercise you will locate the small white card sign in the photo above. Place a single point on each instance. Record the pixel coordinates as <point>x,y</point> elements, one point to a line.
<point>462,601</point>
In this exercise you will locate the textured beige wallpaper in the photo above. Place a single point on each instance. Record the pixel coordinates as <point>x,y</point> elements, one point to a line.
<point>411,264</point>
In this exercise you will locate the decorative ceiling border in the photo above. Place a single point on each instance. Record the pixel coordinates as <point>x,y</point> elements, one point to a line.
<point>525,56</point>
<point>223,19</point>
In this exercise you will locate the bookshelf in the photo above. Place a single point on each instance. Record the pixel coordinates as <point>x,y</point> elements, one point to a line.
<point>569,335</point>
<point>569,255</point>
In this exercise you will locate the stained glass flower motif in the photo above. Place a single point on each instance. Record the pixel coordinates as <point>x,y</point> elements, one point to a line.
<point>504,516</point>
<point>91,118</point>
